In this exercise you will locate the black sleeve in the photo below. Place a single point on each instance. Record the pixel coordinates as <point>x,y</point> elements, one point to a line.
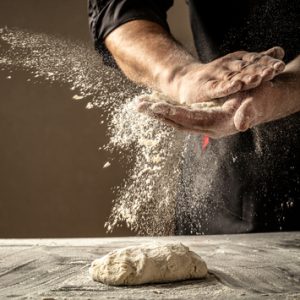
<point>107,15</point>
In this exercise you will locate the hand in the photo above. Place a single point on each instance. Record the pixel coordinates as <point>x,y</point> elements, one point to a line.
<point>269,102</point>
<point>238,112</point>
<point>227,75</point>
<point>215,122</point>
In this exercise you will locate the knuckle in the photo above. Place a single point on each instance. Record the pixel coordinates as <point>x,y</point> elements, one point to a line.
<point>252,57</point>
<point>212,84</point>
<point>240,65</point>
<point>229,74</point>
<point>239,53</point>
<point>226,59</point>
<point>267,58</point>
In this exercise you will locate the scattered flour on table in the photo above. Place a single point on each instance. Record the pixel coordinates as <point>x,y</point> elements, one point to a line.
<point>149,263</point>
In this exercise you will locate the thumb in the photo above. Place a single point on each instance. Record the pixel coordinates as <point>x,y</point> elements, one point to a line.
<point>244,116</point>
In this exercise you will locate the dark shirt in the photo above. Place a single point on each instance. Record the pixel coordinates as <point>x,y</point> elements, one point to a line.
<point>250,181</point>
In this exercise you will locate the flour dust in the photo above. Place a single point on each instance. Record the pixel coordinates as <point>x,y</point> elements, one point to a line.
<point>146,200</point>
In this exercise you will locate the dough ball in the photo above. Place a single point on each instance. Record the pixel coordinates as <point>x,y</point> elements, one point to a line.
<point>149,263</point>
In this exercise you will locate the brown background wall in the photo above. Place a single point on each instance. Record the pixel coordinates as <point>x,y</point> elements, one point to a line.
<point>52,183</point>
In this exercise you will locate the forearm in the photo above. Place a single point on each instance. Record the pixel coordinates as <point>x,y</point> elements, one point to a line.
<point>147,54</point>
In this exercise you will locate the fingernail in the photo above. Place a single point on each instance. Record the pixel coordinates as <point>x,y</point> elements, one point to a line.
<point>244,126</point>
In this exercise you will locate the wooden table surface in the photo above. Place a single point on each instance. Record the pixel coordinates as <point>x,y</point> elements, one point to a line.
<point>248,266</point>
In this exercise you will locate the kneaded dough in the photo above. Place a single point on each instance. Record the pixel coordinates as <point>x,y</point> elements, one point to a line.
<point>149,263</point>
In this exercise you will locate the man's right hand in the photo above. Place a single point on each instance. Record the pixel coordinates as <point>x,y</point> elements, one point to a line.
<point>235,72</point>
<point>164,65</point>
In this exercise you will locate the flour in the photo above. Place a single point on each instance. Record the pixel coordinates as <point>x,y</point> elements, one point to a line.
<point>51,58</point>
<point>106,165</point>
<point>212,105</point>
<point>150,263</point>
<point>145,201</point>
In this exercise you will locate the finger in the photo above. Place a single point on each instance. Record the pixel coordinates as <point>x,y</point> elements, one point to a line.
<point>266,60</point>
<point>179,115</point>
<point>237,65</point>
<point>146,106</point>
<point>168,122</point>
<point>180,127</point>
<point>218,89</point>
<point>187,127</point>
<point>163,108</point>
<point>244,116</point>
<point>250,81</point>
<point>276,52</point>
<point>143,105</point>
<point>202,119</point>
<point>214,123</point>
<point>258,73</point>
<point>220,125</point>
<point>252,57</point>
<point>237,55</point>
<point>268,74</point>
<point>254,74</point>
<point>231,105</point>
<point>276,64</point>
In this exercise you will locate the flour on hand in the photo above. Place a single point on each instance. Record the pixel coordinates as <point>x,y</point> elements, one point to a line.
<point>149,263</point>
<point>212,105</point>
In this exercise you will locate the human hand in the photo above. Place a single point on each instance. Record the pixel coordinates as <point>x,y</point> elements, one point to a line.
<point>214,119</point>
<point>270,101</point>
<point>235,72</point>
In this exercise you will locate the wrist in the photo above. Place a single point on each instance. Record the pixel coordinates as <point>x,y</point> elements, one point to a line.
<point>175,78</point>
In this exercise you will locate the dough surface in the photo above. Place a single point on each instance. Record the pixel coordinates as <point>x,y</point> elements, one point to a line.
<point>149,263</point>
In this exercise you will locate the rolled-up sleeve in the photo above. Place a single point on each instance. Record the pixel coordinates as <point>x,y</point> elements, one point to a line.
<point>107,15</point>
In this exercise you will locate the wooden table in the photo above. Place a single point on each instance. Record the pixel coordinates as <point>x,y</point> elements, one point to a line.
<point>248,266</point>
